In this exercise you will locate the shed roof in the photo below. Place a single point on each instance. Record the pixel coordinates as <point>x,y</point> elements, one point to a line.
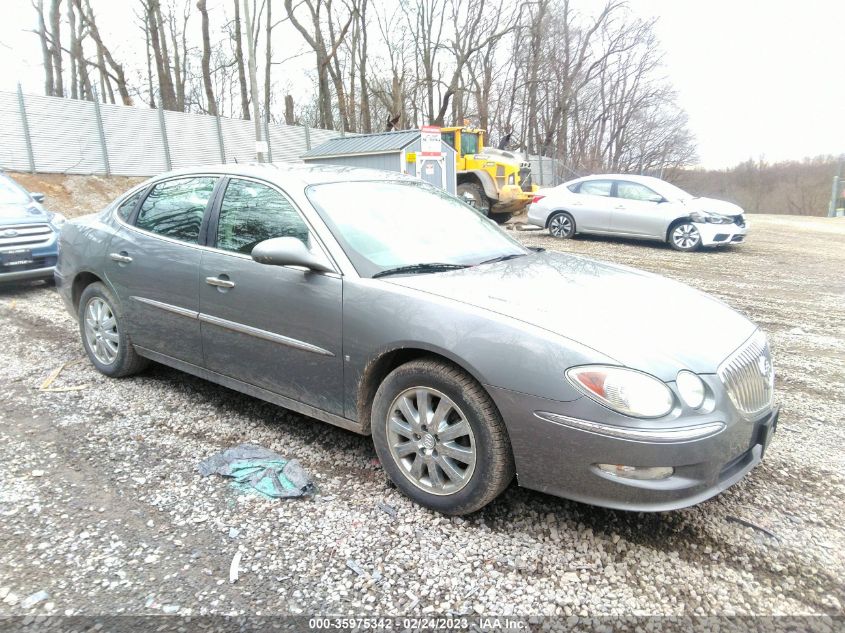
<point>383,143</point>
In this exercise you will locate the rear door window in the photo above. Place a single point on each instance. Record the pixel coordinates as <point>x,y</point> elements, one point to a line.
<point>596,187</point>
<point>124,211</point>
<point>175,208</point>
<point>251,213</point>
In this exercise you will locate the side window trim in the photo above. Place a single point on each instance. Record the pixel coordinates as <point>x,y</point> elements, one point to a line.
<point>133,219</point>
<point>214,218</point>
<point>130,219</point>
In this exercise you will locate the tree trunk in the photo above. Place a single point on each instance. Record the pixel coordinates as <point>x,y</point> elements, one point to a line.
<point>289,115</point>
<point>239,59</point>
<point>55,27</point>
<point>206,60</point>
<point>268,61</point>
<point>46,54</point>
<point>74,78</point>
<point>253,77</point>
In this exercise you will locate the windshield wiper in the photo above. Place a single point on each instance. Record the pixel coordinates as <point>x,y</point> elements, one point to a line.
<point>501,258</point>
<point>431,267</point>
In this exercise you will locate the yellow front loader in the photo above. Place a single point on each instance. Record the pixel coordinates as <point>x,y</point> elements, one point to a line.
<point>496,182</point>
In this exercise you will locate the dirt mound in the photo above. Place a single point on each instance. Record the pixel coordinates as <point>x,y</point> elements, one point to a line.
<point>75,195</point>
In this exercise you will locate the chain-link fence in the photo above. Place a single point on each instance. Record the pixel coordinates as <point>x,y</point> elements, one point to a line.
<point>57,135</point>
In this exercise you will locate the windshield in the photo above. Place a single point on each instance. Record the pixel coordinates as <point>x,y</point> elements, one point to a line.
<point>385,225</point>
<point>469,143</point>
<point>671,192</point>
<point>11,193</point>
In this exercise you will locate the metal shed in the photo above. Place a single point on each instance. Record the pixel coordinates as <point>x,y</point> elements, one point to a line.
<point>392,151</point>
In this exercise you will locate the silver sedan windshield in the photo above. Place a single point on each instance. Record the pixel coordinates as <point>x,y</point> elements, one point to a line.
<point>391,224</point>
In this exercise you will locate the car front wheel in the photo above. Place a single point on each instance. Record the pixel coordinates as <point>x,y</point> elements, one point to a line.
<point>685,237</point>
<point>562,225</point>
<point>103,336</point>
<point>440,438</point>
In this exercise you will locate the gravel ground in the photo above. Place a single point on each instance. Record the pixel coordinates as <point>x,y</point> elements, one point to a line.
<point>102,509</point>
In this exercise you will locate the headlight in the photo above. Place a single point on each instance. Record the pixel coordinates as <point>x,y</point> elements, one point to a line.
<point>708,217</point>
<point>691,388</point>
<point>57,220</point>
<point>624,390</point>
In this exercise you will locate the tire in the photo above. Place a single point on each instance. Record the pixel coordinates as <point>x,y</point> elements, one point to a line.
<point>470,452</point>
<point>473,194</point>
<point>561,225</point>
<point>500,218</point>
<point>100,318</point>
<point>684,236</point>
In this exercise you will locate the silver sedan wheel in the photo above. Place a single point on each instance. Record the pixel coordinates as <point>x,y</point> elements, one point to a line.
<point>431,441</point>
<point>561,226</point>
<point>101,331</point>
<point>686,236</point>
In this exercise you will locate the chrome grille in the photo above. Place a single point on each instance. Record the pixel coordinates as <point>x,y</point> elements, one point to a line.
<point>24,235</point>
<point>749,377</point>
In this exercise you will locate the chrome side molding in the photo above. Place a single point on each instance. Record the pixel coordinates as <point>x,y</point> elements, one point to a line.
<point>662,436</point>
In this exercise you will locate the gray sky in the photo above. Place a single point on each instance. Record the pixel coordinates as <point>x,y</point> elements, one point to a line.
<point>758,78</point>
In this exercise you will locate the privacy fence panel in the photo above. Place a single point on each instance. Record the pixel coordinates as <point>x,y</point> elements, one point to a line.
<point>83,137</point>
<point>193,139</point>
<point>13,153</point>
<point>71,147</point>
<point>134,141</point>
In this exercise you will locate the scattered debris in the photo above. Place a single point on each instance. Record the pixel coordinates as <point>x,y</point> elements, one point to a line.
<point>753,526</point>
<point>234,532</point>
<point>32,600</point>
<point>234,567</point>
<point>45,386</point>
<point>37,473</point>
<point>254,468</point>
<point>170,609</point>
<point>387,509</point>
<point>354,566</point>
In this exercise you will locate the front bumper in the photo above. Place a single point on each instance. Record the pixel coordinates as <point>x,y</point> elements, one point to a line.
<point>721,234</point>
<point>44,257</point>
<point>558,456</point>
<point>28,274</point>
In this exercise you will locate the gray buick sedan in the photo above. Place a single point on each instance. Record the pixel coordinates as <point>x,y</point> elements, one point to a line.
<point>385,306</point>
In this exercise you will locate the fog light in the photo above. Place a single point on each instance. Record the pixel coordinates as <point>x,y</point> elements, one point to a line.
<point>691,388</point>
<point>637,472</point>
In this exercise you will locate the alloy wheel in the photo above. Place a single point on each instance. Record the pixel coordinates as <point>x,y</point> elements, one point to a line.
<point>101,331</point>
<point>431,440</point>
<point>560,226</point>
<point>686,236</point>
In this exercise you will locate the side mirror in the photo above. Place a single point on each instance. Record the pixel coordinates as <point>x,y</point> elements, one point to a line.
<point>38,197</point>
<point>287,251</point>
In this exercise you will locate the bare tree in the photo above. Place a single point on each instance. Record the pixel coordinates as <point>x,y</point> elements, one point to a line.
<point>211,102</point>
<point>46,53</point>
<point>56,49</point>
<point>239,60</point>
<point>253,77</point>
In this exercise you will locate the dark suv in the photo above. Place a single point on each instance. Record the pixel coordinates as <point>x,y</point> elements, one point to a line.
<point>28,234</point>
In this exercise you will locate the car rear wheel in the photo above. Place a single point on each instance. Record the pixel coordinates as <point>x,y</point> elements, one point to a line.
<point>473,194</point>
<point>684,236</point>
<point>103,336</point>
<point>562,225</point>
<point>440,438</point>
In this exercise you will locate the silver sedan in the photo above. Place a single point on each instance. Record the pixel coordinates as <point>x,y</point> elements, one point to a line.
<point>342,294</point>
<point>639,207</point>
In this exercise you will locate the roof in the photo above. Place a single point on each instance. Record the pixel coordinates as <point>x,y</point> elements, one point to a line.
<point>383,143</point>
<point>651,181</point>
<point>289,174</point>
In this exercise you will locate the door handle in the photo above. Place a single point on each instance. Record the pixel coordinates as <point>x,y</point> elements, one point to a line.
<point>220,283</point>
<point>122,258</point>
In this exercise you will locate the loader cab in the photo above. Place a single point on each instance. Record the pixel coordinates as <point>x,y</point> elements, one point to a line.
<point>465,141</point>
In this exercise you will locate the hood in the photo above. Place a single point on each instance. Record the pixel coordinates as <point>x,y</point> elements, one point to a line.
<point>22,214</point>
<point>500,156</point>
<point>641,320</point>
<point>713,206</point>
